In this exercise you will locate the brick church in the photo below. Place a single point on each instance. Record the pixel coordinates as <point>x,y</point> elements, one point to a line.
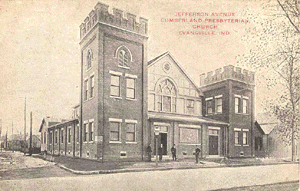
<point>125,98</point>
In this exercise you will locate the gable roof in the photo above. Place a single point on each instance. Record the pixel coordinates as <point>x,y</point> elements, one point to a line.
<point>154,60</point>
<point>49,121</point>
<point>157,58</point>
<point>259,128</point>
<point>267,122</point>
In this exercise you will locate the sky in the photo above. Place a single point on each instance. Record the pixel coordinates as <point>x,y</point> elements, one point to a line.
<point>40,52</point>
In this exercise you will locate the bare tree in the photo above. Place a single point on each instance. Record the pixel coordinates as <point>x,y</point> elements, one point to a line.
<point>276,53</point>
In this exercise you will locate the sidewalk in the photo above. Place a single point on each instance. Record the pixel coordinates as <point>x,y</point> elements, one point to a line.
<point>86,166</point>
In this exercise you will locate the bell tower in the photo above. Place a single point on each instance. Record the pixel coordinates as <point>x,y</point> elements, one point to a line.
<point>229,97</point>
<point>113,85</point>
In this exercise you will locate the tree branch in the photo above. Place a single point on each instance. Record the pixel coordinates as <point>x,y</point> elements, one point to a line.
<point>287,15</point>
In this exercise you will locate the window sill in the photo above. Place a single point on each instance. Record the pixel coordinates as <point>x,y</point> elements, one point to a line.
<point>242,113</point>
<point>85,142</point>
<point>69,143</point>
<point>190,144</point>
<point>218,113</point>
<point>131,142</point>
<point>131,99</point>
<point>89,69</point>
<point>123,67</point>
<point>118,142</point>
<point>246,145</point>
<point>91,142</point>
<point>237,145</point>
<point>116,97</point>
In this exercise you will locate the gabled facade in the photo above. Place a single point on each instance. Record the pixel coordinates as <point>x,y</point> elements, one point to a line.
<point>175,109</point>
<point>45,133</point>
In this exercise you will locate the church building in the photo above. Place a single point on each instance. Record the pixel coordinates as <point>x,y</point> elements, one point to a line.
<point>125,99</point>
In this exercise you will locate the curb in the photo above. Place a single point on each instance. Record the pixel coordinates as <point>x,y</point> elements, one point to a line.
<point>122,170</point>
<point>78,172</point>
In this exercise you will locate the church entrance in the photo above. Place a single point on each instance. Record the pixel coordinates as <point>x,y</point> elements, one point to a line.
<point>162,140</point>
<point>213,140</point>
<point>213,145</point>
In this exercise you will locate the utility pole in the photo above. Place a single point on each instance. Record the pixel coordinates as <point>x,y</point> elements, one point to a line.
<point>0,135</point>
<point>25,127</point>
<point>12,136</point>
<point>30,141</point>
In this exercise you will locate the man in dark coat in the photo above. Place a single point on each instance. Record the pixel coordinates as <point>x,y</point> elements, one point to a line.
<point>197,152</point>
<point>160,152</point>
<point>173,151</point>
<point>149,152</point>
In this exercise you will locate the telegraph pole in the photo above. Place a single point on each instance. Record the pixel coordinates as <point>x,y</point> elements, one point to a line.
<point>30,141</point>
<point>25,127</point>
<point>0,135</point>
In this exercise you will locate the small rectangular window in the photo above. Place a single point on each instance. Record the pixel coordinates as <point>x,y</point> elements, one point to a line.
<point>69,135</point>
<point>115,86</point>
<point>78,134</point>
<point>236,137</point>
<point>91,131</point>
<point>219,105</point>
<point>245,106</point>
<point>245,138</point>
<point>237,104</point>
<point>115,131</point>
<point>92,85</point>
<point>55,136</point>
<point>209,109</point>
<point>85,132</point>
<point>130,88</point>
<point>86,90</point>
<point>50,137</point>
<point>130,132</point>
<point>190,106</point>
<point>62,135</point>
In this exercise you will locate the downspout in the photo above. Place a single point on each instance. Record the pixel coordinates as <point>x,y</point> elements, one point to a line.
<point>143,100</point>
<point>81,106</point>
<point>103,77</point>
<point>53,141</point>
<point>201,140</point>
<point>66,139</point>
<point>74,127</point>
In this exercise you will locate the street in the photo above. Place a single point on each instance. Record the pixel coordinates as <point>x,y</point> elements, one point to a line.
<point>192,179</point>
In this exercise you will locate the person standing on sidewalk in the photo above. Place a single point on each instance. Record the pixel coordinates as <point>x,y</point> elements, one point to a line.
<point>149,152</point>
<point>173,151</point>
<point>160,152</point>
<point>197,152</point>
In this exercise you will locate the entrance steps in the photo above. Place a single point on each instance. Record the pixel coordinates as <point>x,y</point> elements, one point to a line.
<point>164,158</point>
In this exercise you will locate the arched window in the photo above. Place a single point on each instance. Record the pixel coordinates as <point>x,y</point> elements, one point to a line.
<point>124,57</point>
<point>166,96</point>
<point>89,58</point>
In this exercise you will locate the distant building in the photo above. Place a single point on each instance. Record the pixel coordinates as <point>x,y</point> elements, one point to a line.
<point>273,145</point>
